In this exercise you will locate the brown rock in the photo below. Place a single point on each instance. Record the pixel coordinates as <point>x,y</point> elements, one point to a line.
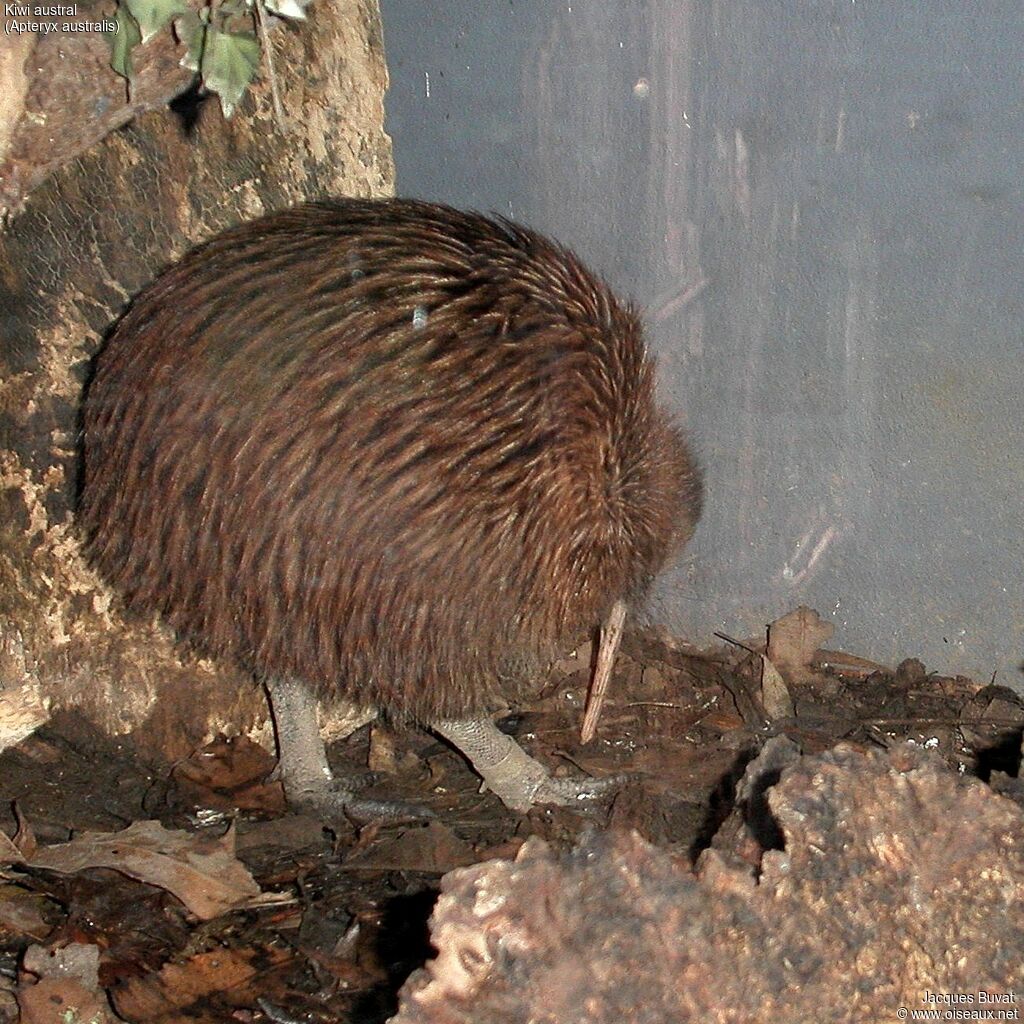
<point>897,878</point>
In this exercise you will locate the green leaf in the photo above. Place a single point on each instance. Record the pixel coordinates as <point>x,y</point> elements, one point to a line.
<point>123,40</point>
<point>191,31</point>
<point>152,15</point>
<point>233,9</point>
<point>288,8</point>
<point>229,61</point>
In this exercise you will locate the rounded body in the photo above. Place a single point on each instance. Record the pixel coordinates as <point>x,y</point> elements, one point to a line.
<point>393,450</point>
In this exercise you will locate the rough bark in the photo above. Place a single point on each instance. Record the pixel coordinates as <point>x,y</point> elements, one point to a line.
<point>885,882</point>
<point>59,95</point>
<point>84,242</point>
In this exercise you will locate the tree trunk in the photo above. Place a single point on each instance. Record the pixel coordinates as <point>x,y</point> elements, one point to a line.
<point>84,242</point>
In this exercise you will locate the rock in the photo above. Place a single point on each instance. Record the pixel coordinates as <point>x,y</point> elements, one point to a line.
<point>897,879</point>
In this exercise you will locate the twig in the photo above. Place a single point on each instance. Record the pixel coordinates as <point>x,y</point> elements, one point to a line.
<point>737,643</point>
<point>611,635</point>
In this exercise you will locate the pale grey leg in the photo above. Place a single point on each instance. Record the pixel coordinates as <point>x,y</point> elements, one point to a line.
<point>517,779</point>
<point>307,777</point>
<point>300,750</point>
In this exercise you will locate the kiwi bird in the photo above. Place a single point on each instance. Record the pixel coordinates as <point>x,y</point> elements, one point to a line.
<point>387,453</point>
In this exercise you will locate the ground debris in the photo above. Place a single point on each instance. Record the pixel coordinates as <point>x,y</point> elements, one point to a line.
<point>229,773</point>
<point>62,986</point>
<point>221,976</point>
<point>892,878</point>
<point>342,919</point>
<point>200,870</point>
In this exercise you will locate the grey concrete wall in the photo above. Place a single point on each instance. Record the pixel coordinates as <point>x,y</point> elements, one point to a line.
<point>820,205</point>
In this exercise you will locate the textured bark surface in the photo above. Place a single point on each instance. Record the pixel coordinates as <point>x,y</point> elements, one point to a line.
<point>59,94</point>
<point>83,244</point>
<point>894,878</point>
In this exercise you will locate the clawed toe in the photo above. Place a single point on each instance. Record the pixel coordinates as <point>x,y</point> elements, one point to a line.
<point>362,811</point>
<point>568,791</point>
<point>337,804</point>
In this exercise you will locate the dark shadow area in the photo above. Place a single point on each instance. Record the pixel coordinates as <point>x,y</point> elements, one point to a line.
<point>187,105</point>
<point>403,945</point>
<point>721,802</point>
<point>1003,756</point>
<point>758,814</point>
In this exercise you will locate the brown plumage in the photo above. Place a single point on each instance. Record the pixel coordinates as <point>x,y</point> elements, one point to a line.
<point>394,450</point>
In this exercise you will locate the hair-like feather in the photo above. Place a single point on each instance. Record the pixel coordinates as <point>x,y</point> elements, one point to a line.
<point>386,447</point>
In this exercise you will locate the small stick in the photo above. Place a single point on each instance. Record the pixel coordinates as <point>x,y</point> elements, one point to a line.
<point>737,643</point>
<point>611,634</point>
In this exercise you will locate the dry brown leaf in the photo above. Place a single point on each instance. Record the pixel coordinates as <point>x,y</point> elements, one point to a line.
<point>67,989</point>
<point>230,773</point>
<point>775,698</point>
<point>9,853</point>
<point>24,838</point>
<point>21,913</point>
<point>202,872</point>
<point>431,847</point>
<point>22,846</point>
<point>793,641</point>
<point>845,664</point>
<point>382,756</point>
<point>60,1000</point>
<point>178,985</point>
<point>79,960</point>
